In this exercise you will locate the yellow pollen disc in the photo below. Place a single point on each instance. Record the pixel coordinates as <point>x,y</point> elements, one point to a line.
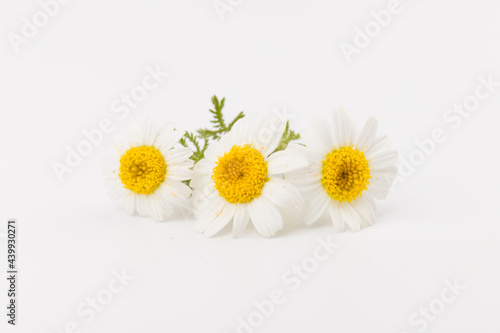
<point>345,174</point>
<point>240,174</point>
<point>142,169</point>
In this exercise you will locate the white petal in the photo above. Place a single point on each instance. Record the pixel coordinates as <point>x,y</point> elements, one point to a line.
<point>379,143</point>
<point>349,216</point>
<point>149,132</point>
<point>383,159</point>
<point>241,219</point>
<point>174,194</point>
<point>283,194</point>
<point>314,143</point>
<point>221,220</point>
<point>141,206</point>
<point>390,172</point>
<point>115,189</point>
<point>379,186</point>
<point>357,214</point>
<point>202,198</point>
<point>322,129</point>
<point>251,126</point>
<point>177,155</point>
<point>337,220</point>
<point>167,137</point>
<point>203,167</point>
<point>311,188</point>
<point>110,167</point>
<point>217,208</point>
<point>365,211</point>
<point>305,176</point>
<point>118,145</point>
<point>202,181</point>
<point>262,133</point>
<point>297,148</point>
<point>316,203</point>
<point>245,131</point>
<point>283,161</point>
<point>214,150</point>
<point>187,164</point>
<point>265,217</point>
<point>153,204</point>
<point>370,201</point>
<point>344,129</point>
<point>237,131</point>
<point>135,134</point>
<point>226,143</point>
<point>167,204</point>
<point>301,177</point>
<point>129,203</point>
<point>367,135</point>
<point>269,135</point>
<point>181,189</point>
<point>209,213</point>
<point>179,172</point>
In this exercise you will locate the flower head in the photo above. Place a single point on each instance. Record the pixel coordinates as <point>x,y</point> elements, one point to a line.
<point>146,169</point>
<point>346,171</point>
<point>241,179</point>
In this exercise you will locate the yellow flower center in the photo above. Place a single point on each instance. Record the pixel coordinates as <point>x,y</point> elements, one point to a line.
<point>345,174</point>
<point>240,174</point>
<point>142,169</point>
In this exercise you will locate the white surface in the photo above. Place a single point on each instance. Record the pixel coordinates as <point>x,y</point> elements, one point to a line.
<point>442,223</point>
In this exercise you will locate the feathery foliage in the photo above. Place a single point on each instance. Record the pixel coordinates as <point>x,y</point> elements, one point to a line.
<point>204,136</point>
<point>219,124</point>
<point>200,140</point>
<point>287,137</point>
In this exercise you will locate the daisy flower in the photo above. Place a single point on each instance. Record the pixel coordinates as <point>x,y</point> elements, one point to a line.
<point>240,179</point>
<point>346,173</point>
<point>146,170</point>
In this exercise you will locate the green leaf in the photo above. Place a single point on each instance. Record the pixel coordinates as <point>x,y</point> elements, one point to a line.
<point>287,137</point>
<point>218,120</point>
<point>219,124</point>
<point>204,136</point>
<point>207,135</point>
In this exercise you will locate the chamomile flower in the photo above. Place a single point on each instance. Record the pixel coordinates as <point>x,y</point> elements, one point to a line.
<point>240,179</point>
<point>346,173</point>
<point>146,170</point>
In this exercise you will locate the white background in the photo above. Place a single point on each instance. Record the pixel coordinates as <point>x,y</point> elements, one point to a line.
<point>441,224</point>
